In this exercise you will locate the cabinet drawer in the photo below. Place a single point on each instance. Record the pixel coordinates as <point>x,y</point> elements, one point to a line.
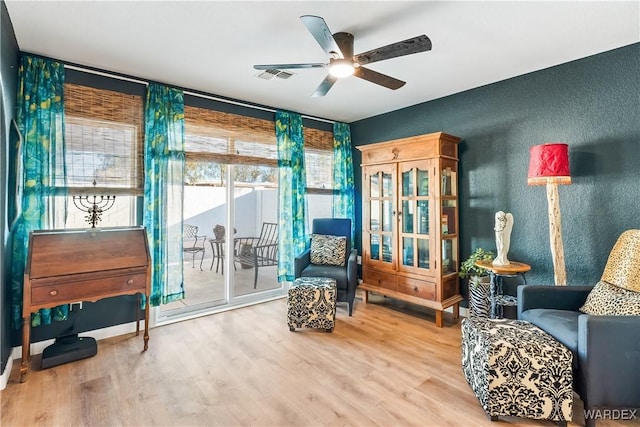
<point>383,280</point>
<point>417,288</point>
<point>88,290</point>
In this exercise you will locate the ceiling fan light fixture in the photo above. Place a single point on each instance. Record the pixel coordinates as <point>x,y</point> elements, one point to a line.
<point>341,68</point>
<point>343,62</point>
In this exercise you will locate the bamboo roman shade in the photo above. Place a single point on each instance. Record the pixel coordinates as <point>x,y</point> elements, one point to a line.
<point>232,138</point>
<point>214,136</point>
<point>104,137</point>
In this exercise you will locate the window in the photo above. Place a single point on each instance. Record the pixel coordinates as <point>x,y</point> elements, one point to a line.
<point>101,152</point>
<point>318,162</point>
<point>103,156</point>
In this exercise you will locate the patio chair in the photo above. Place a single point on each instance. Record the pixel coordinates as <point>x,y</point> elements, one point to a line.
<point>193,243</point>
<point>261,251</point>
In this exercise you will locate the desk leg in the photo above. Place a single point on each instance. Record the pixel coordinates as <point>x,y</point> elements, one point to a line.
<point>492,294</point>
<point>147,309</point>
<point>138,314</point>
<point>26,347</point>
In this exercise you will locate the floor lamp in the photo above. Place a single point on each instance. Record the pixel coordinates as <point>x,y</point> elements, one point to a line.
<point>549,164</point>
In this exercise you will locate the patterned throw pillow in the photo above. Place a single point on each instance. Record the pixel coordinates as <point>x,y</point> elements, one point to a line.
<point>606,299</point>
<point>328,250</point>
<point>624,262</point>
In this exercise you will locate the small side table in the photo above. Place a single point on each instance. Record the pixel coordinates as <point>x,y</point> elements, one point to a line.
<point>496,272</point>
<point>217,247</point>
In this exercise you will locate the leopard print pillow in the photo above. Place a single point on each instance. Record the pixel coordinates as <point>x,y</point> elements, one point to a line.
<point>328,250</point>
<point>606,299</point>
<point>623,264</point>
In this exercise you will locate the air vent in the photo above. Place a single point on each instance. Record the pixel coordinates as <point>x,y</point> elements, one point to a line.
<point>270,74</point>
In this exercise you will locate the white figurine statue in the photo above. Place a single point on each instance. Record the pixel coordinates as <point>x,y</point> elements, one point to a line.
<point>503,227</point>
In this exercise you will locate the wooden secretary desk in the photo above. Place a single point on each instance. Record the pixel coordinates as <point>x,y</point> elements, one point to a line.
<point>67,266</point>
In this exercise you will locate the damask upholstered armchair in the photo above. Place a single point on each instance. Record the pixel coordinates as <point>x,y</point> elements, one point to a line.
<point>601,325</point>
<point>330,255</point>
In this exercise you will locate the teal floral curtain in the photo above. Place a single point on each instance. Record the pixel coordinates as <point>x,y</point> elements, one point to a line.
<point>343,185</point>
<point>292,191</point>
<point>164,177</point>
<point>40,118</point>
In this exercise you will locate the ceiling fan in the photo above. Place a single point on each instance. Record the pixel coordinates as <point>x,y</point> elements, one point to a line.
<point>342,61</point>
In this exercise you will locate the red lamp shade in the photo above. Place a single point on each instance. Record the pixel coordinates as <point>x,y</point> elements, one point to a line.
<point>549,163</point>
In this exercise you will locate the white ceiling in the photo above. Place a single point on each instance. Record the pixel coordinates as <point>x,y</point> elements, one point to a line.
<point>211,46</point>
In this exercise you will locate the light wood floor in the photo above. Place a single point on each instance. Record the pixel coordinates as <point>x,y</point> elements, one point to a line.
<point>388,365</point>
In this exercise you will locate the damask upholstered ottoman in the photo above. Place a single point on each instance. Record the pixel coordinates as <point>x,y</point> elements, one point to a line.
<point>516,369</point>
<point>311,303</point>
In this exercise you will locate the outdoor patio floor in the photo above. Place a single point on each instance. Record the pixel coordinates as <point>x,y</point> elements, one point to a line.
<point>206,285</point>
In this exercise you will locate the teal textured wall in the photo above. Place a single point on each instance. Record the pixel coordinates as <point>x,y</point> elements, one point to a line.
<point>592,104</point>
<point>8,90</point>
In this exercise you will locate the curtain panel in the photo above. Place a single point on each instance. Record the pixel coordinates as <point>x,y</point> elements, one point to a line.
<point>292,191</point>
<point>164,177</point>
<point>40,118</point>
<point>343,181</point>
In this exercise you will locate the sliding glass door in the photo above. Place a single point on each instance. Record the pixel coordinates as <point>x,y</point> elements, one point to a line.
<point>228,262</point>
<point>255,216</point>
<point>231,196</point>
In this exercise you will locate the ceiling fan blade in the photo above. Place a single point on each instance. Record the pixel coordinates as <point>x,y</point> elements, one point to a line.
<point>320,31</point>
<point>407,47</point>
<point>324,86</point>
<point>378,78</point>
<point>288,66</point>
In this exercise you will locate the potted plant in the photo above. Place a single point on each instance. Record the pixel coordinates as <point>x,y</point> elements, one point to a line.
<point>478,282</point>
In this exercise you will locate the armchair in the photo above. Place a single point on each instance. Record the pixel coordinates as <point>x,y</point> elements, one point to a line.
<point>606,348</point>
<point>346,276</point>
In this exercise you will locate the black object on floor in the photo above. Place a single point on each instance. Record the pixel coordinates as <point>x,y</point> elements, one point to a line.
<point>68,348</point>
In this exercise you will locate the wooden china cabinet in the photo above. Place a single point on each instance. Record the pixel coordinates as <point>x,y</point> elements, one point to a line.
<point>410,221</point>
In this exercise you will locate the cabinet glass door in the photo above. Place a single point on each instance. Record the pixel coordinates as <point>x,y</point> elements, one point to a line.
<point>414,215</point>
<point>449,216</point>
<point>379,220</point>
<point>449,256</point>
<point>449,179</point>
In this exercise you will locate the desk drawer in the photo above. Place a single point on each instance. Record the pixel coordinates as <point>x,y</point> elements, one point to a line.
<point>417,288</point>
<point>87,290</point>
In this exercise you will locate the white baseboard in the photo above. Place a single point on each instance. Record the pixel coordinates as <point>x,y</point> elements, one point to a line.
<point>38,347</point>
<point>4,378</point>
